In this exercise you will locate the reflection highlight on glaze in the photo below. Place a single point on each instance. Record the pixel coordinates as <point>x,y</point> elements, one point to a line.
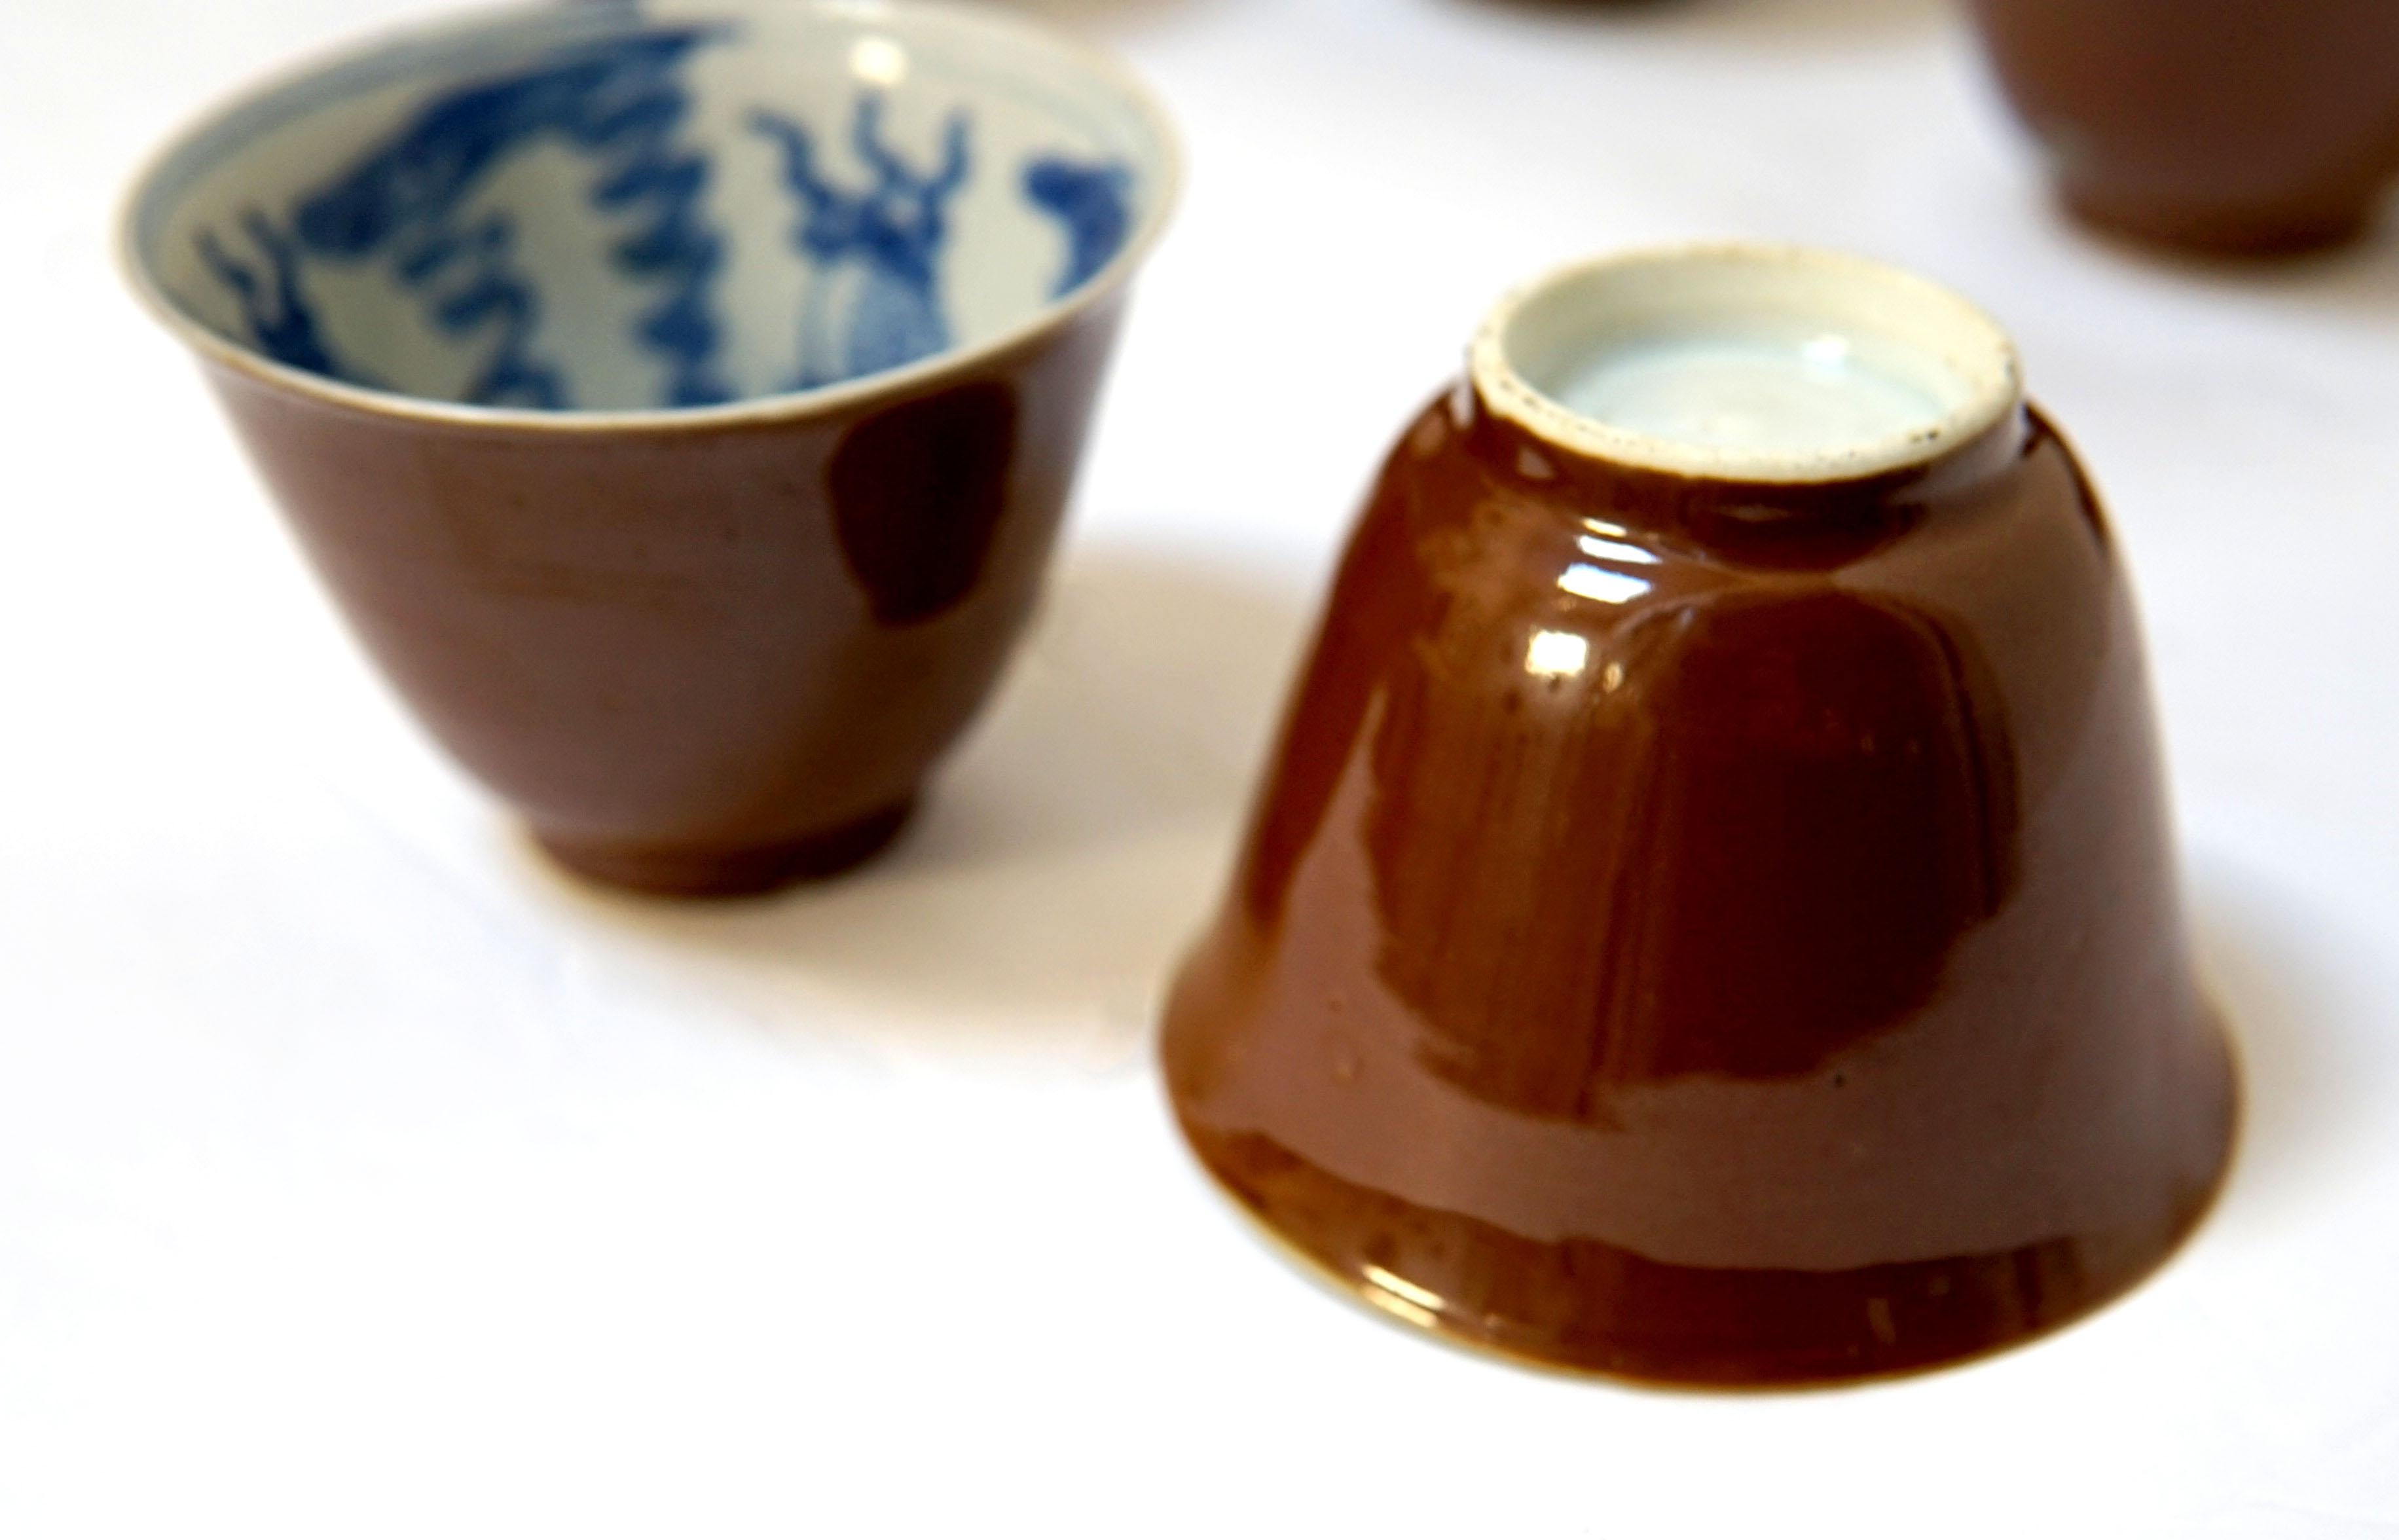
<point>1598,584</point>
<point>1556,654</point>
<point>878,62</point>
<point>1615,550</point>
<point>1413,1293</point>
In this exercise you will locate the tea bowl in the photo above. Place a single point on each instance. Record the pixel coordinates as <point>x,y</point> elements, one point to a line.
<point>1711,916</point>
<point>680,400</point>
<point>2213,126</point>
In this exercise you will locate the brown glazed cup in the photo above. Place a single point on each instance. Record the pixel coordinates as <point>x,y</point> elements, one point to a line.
<point>2244,127</point>
<point>1710,917</point>
<point>681,400</point>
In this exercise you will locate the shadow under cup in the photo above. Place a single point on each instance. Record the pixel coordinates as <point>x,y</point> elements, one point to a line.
<point>681,402</point>
<point>1710,917</point>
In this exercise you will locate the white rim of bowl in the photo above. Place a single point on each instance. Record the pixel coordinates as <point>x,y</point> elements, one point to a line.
<point>1977,347</point>
<point>779,406</point>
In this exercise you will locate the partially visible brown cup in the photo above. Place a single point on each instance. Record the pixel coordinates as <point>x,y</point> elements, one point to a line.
<point>1712,917</point>
<point>681,400</point>
<point>2242,127</point>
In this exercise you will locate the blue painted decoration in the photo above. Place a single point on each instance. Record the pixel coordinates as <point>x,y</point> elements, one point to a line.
<point>273,304</point>
<point>894,231</point>
<point>619,101</point>
<point>415,222</point>
<point>1093,201</point>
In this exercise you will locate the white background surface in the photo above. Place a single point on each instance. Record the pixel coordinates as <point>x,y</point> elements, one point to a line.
<point>358,1177</point>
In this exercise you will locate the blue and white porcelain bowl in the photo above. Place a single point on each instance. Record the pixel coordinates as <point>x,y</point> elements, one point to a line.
<point>611,206</point>
<point>682,398</point>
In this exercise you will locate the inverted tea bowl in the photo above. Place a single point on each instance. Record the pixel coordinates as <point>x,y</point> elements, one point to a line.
<point>1711,916</point>
<point>679,398</point>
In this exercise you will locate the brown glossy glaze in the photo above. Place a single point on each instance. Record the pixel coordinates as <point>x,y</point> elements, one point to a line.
<point>1796,990</point>
<point>2241,126</point>
<point>705,657</point>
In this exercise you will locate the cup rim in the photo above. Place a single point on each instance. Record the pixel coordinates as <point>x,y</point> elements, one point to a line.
<point>770,407</point>
<point>1994,372</point>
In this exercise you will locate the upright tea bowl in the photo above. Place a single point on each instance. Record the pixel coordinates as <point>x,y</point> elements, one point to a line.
<point>679,398</point>
<point>1711,916</point>
<point>2225,128</point>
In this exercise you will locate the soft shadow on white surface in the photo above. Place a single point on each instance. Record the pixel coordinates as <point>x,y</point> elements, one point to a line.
<point>2358,281</point>
<point>2300,1102</point>
<point>1750,23</point>
<point>1059,865</point>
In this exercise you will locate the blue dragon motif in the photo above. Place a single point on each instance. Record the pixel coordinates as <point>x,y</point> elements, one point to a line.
<point>1094,203</point>
<point>619,102</point>
<point>274,305</point>
<point>896,231</point>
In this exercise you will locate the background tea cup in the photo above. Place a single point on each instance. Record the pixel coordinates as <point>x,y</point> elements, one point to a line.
<point>2212,125</point>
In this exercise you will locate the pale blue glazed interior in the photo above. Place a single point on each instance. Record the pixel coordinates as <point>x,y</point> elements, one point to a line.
<point>611,206</point>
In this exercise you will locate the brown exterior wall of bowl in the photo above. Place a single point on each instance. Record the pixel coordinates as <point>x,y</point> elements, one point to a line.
<point>695,657</point>
<point>1786,982</point>
<point>2219,125</point>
